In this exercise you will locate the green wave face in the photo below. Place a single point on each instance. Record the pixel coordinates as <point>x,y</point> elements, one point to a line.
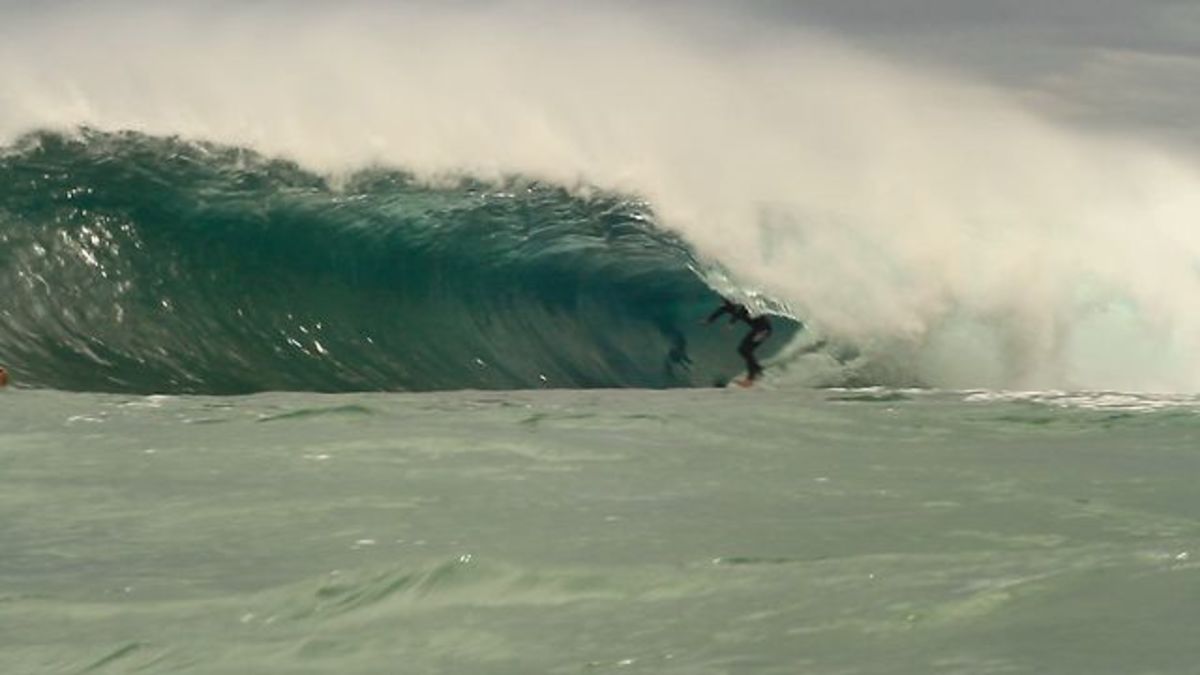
<point>140,264</point>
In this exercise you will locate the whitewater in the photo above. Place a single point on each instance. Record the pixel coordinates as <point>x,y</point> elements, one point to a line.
<point>371,339</point>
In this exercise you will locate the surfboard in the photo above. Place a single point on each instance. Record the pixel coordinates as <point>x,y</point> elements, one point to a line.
<point>743,382</point>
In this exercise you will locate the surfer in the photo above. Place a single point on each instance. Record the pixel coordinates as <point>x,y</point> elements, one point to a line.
<point>760,330</point>
<point>3,377</point>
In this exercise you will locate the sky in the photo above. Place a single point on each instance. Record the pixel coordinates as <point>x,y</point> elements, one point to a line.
<point>1112,64</point>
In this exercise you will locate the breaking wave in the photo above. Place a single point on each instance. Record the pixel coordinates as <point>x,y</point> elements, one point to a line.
<point>133,263</point>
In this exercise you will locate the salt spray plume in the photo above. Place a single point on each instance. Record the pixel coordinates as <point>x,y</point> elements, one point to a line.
<point>933,223</point>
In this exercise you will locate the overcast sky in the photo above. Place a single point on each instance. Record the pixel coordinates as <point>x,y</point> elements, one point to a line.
<point>1119,64</point>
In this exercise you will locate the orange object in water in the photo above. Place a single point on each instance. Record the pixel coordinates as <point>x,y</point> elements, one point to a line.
<point>3,376</point>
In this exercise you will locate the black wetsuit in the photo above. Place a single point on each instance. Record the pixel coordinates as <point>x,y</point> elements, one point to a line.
<point>760,330</point>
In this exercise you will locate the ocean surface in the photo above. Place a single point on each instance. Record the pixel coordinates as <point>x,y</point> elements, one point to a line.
<point>626,531</point>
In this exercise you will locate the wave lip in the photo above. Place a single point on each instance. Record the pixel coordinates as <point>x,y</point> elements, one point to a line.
<point>144,264</point>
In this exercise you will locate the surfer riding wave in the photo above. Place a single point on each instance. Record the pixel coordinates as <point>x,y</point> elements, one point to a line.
<point>760,330</point>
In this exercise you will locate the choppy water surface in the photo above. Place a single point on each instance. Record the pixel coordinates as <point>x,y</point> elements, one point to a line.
<point>684,531</point>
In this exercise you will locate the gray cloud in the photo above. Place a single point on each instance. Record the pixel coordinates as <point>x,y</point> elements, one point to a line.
<point>1127,67</point>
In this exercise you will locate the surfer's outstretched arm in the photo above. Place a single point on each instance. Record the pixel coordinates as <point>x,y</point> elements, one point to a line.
<point>717,314</point>
<point>726,307</point>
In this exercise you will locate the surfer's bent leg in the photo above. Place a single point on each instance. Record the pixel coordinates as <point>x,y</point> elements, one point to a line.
<point>746,349</point>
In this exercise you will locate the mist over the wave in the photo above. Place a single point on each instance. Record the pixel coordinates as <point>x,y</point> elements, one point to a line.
<point>930,222</point>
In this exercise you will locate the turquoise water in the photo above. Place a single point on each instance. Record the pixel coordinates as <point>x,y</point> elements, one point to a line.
<point>686,531</point>
<point>132,263</point>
